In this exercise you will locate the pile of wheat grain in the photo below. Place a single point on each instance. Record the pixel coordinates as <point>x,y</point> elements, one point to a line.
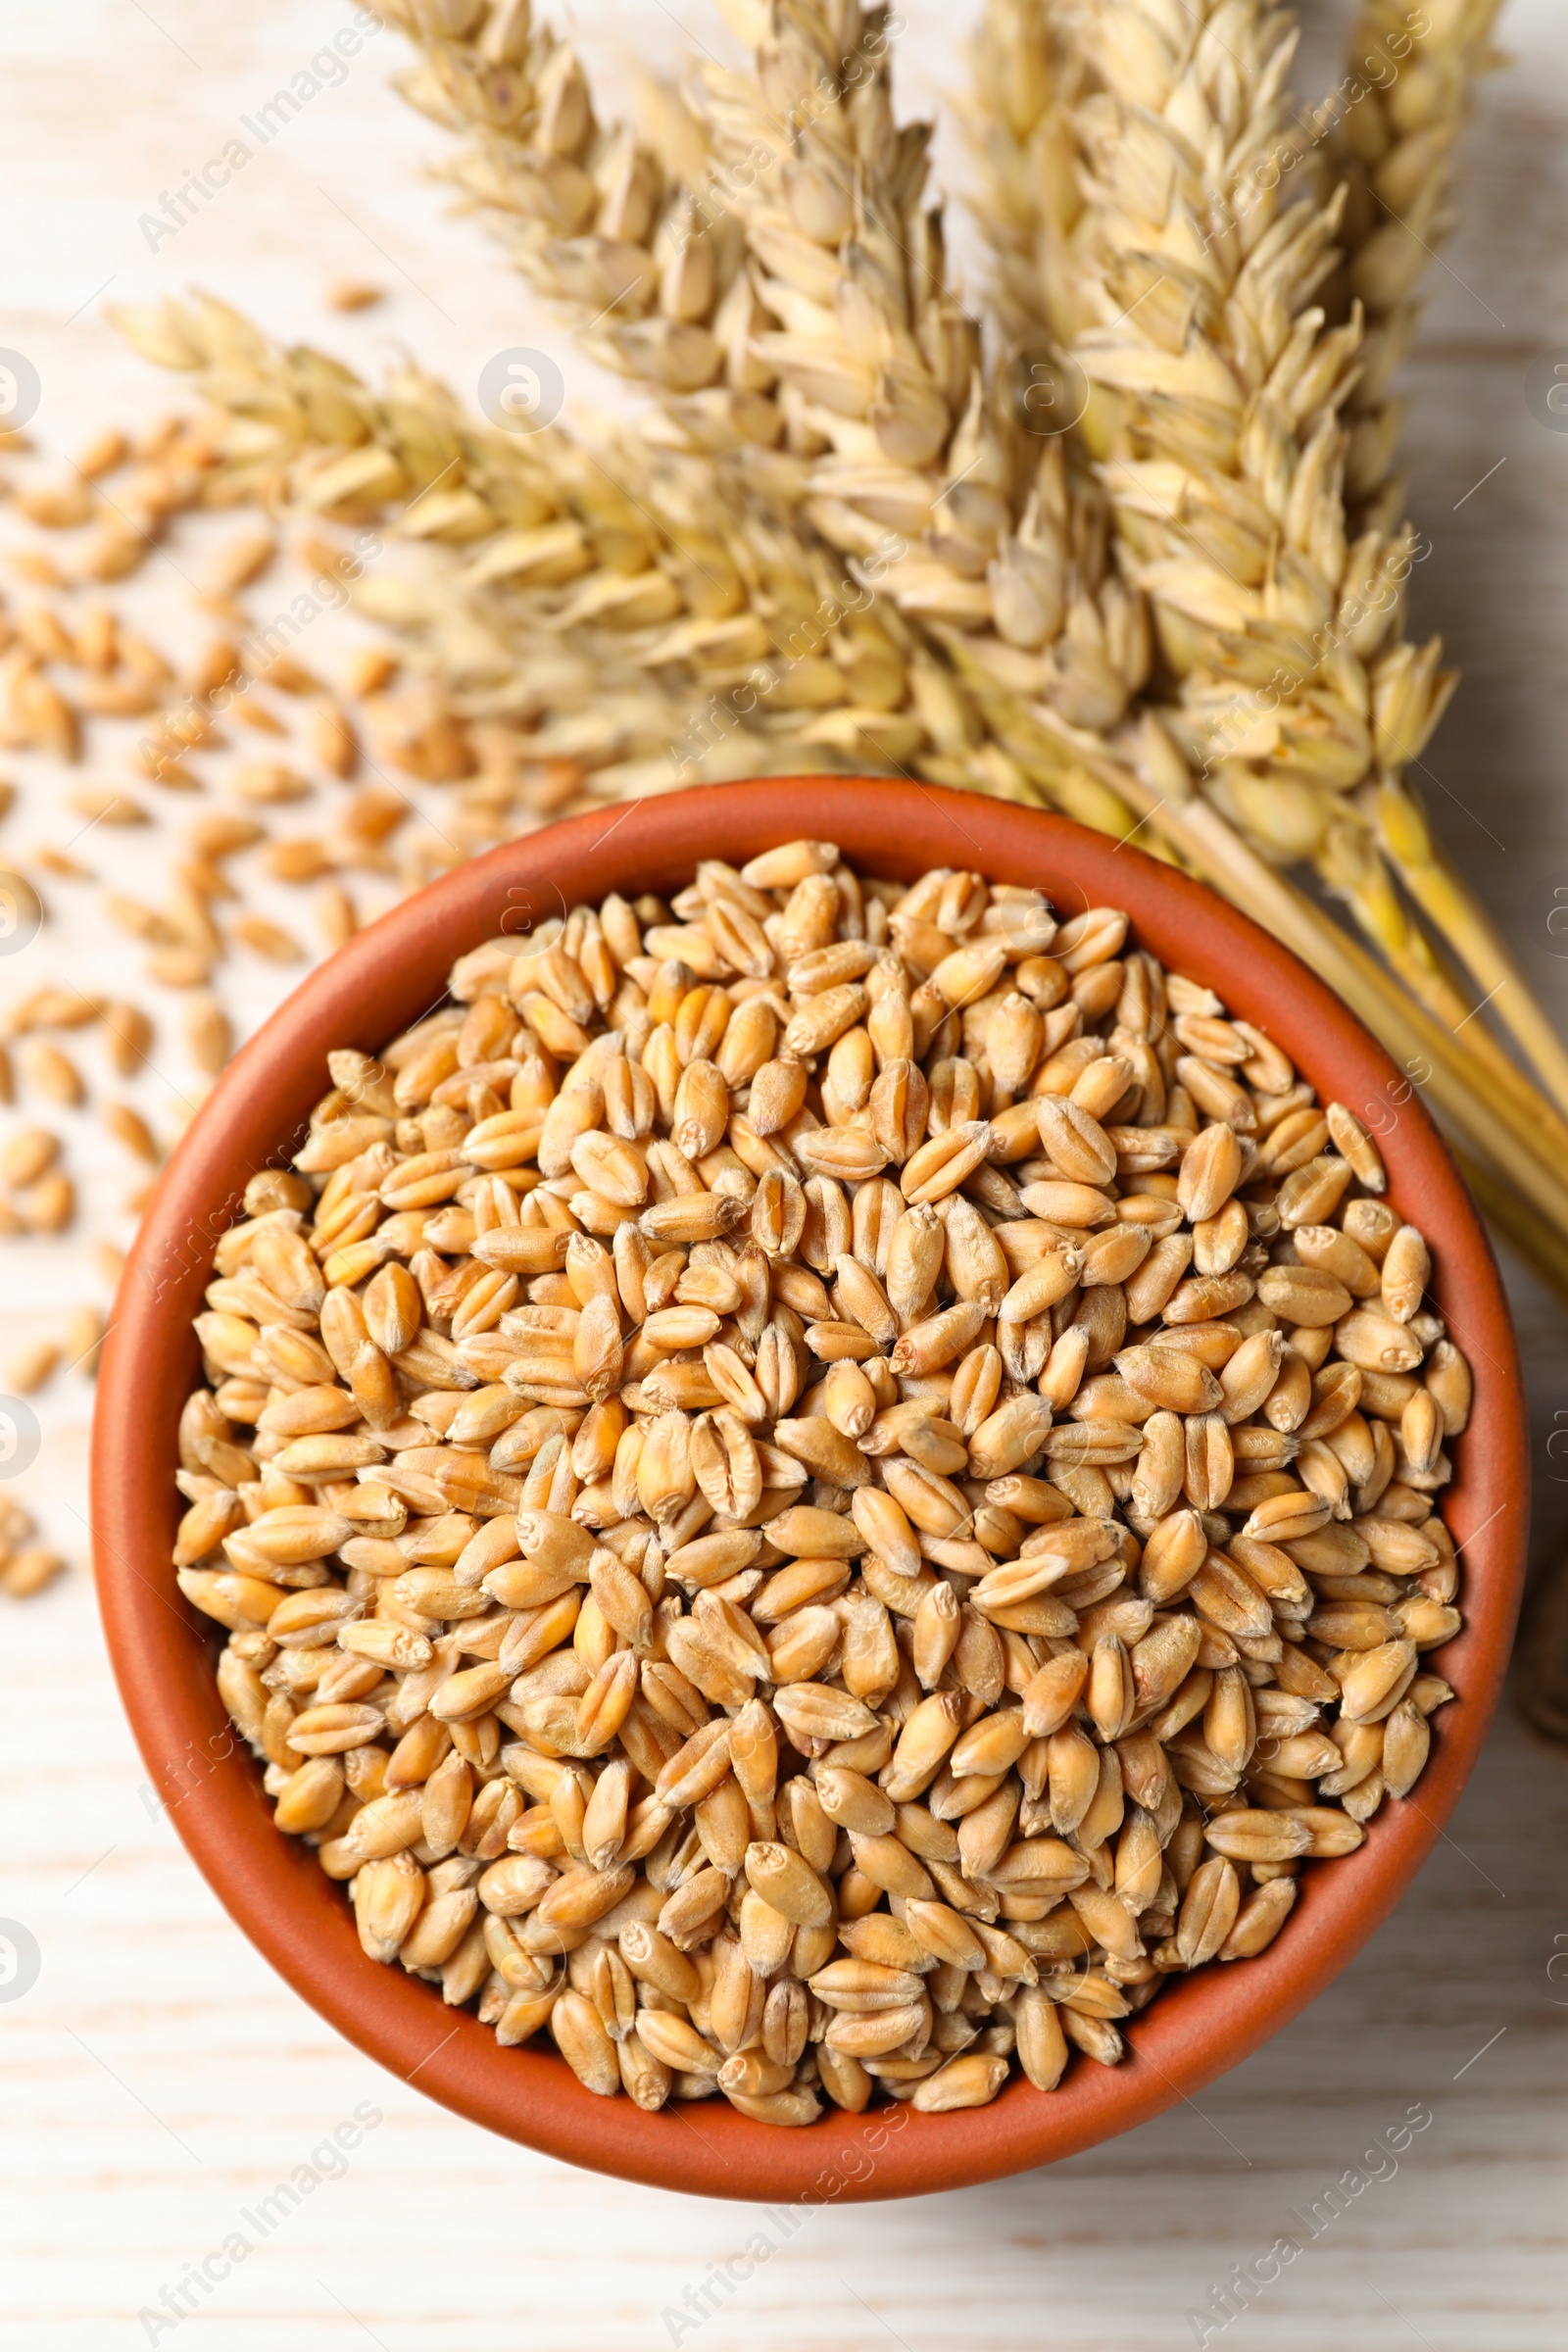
<point>820,1487</point>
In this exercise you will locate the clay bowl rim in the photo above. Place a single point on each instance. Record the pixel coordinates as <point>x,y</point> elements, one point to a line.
<point>272,1886</point>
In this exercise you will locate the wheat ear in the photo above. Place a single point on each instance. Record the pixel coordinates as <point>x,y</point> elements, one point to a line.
<point>671,628</point>
<point>1397,118</point>
<point>1017,119</point>
<point>1223,451</point>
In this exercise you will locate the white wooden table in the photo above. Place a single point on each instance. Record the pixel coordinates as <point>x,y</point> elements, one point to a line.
<point>157,2080</point>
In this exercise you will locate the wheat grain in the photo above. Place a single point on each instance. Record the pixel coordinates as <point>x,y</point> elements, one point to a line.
<point>618,1503</point>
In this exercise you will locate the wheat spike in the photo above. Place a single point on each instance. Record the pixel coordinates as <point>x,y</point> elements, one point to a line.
<point>1397,120</point>
<point>615,225</point>
<point>1222,447</point>
<point>791,290</point>
<point>1393,144</point>
<point>671,628</point>
<point>1025,76</point>
<point>1388,129</point>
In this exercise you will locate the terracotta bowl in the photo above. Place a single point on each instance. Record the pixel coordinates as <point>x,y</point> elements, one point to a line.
<point>162,1650</point>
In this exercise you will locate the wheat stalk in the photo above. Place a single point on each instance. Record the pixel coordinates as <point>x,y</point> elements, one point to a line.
<point>585,694</point>
<point>1395,124</point>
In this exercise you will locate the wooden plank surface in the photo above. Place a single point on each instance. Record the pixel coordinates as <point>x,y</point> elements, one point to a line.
<point>156,2081</point>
